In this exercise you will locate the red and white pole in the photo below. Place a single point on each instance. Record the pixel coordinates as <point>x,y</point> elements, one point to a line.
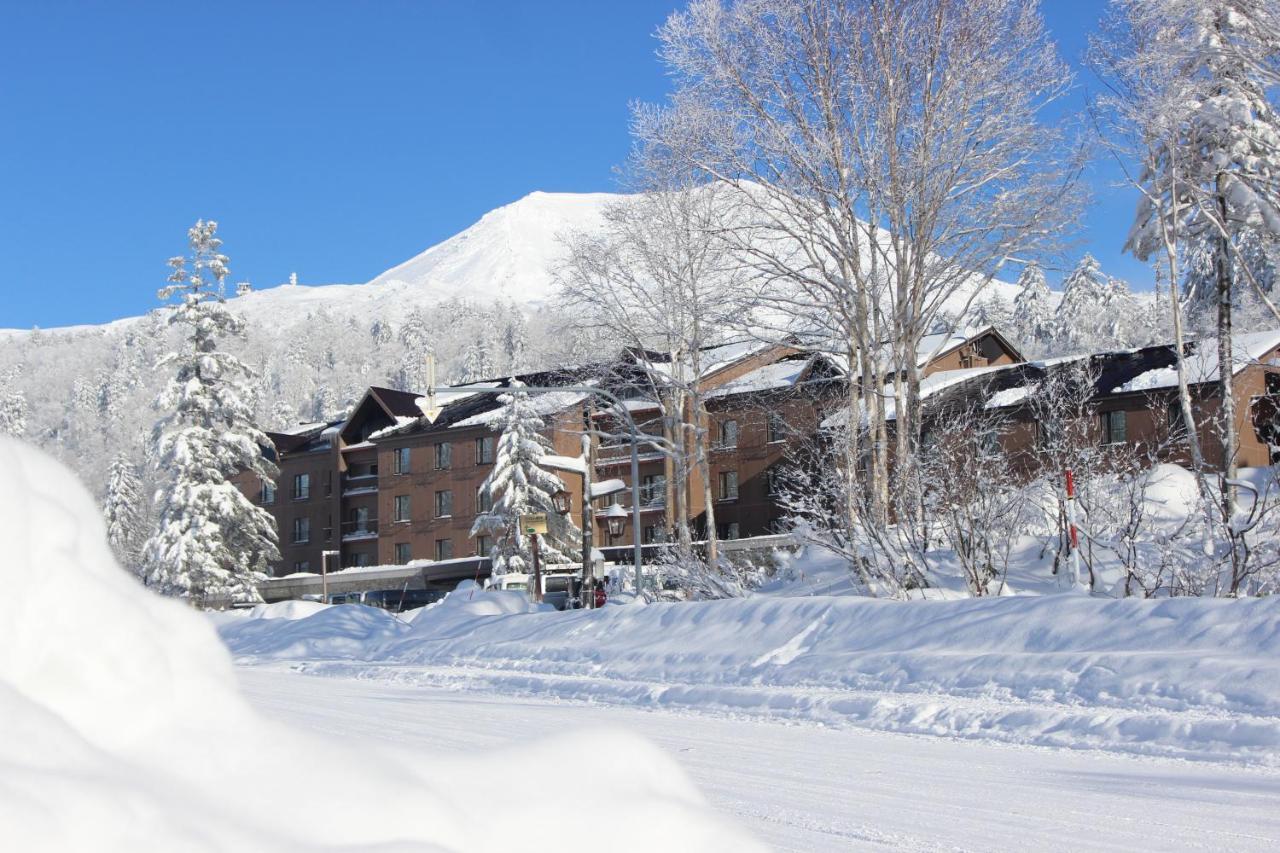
<point>1074,533</point>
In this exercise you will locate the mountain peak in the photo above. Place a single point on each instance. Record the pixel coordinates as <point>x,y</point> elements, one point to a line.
<point>510,254</point>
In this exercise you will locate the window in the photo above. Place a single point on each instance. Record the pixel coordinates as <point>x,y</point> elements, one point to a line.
<point>484,500</point>
<point>728,531</point>
<point>484,450</point>
<point>268,492</point>
<point>301,487</point>
<point>1048,434</point>
<point>729,434</point>
<point>1114,427</point>
<point>301,531</point>
<point>328,483</point>
<point>302,565</point>
<point>360,519</point>
<point>649,534</point>
<point>400,460</point>
<point>403,553</point>
<point>402,508</point>
<point>653,490</point>
<point>777,427</point>
<point>361,559</point>
<point>444,549</point>
<point>1176,425</point>
<point>1273,384</point>
<point>483,545</point>
<point>728,485</point>
<point>444,504</point>
<point>328,530</point>
<point>444,456</point>
<point>773,481</point>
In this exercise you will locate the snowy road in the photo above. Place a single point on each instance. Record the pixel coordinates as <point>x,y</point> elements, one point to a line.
<point>807,788</point>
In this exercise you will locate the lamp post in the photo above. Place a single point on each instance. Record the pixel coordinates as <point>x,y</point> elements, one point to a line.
<point>324,574</point>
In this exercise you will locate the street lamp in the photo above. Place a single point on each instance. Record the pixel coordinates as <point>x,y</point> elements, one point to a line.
<point>615,517</point>
<point>560,500</point>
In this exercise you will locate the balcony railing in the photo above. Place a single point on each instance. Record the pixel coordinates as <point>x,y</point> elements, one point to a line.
<point>360,484</point>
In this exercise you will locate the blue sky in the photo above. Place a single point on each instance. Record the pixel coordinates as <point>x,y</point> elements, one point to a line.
<point>334,139</point>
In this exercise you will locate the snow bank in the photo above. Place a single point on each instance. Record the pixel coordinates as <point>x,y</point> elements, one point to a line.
<point>332,632</point>
<point>123,729</point>
<point>287,610</point>
<point>1183,677</point>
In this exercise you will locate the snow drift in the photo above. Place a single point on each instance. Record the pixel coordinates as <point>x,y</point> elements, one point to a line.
<point>1183,677</point>
<point>124,729</point>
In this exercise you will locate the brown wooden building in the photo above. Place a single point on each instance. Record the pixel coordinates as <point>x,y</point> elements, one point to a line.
<point>385,487</point>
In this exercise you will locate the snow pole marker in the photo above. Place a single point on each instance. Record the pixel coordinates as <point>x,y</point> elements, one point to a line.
<point>1073,530</point>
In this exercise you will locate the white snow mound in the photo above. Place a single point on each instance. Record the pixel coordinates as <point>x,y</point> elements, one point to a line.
<point>124,730</point>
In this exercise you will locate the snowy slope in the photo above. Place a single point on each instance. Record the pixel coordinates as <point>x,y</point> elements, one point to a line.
<point>510,254</point>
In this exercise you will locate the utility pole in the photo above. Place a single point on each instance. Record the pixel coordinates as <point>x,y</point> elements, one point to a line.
<point>324,574</point>
<point>537,567</point>
<point>588,522</point>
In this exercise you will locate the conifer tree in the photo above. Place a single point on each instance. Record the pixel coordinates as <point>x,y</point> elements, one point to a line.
<point>122,510</point>
<point>519,485</point>
<point>1033,310</point>
<point>212,544</point>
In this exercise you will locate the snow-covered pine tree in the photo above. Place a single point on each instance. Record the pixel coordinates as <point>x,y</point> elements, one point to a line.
<point>515,339</point>
<point>519,485</point>
<point>212,544</point>
<point>994,311</point>
<point>1033,312</point>
<point>477,360</point>
<point>122,508</point>
<point>13,405</point>
<point>1083,320</point>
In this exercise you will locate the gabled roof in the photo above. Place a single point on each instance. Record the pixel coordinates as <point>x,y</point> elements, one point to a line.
<point>305,438</point>
<point>472,404</point>
<point>784,374</point>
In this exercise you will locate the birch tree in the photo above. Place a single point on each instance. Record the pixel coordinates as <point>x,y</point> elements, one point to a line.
<point>1189,83</point>
<point>659,276</point>
<point>887,159</point>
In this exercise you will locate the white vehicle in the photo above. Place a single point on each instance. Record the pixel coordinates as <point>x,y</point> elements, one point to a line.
<point>558,588</point>
<point>508,581</point>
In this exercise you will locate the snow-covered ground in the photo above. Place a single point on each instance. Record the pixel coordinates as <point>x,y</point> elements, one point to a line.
<point>1192,678</point>
<point>122,729</point>
<point>809,788</point>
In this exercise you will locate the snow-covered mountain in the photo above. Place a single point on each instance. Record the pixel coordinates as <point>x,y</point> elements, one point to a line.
<point>507,257</point>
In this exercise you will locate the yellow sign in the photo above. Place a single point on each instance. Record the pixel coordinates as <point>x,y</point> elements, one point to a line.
<point>534,523</point>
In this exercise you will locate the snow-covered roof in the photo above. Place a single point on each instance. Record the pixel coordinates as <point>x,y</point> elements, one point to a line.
<point>1202,362</point>
<point>929,386</point>
<point>780,374</point>
<point>544,404</point>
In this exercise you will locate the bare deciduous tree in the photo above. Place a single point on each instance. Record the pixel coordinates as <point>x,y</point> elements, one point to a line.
<point>885,160</point>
